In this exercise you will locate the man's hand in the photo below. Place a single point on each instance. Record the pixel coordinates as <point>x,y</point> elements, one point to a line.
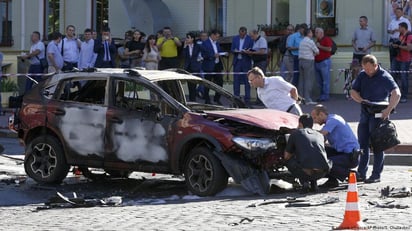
<point>287,155</point>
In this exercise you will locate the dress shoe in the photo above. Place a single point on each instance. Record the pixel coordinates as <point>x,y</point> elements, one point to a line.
<point>371,180</point>
<point>314,186</point>
<point>331,183</point>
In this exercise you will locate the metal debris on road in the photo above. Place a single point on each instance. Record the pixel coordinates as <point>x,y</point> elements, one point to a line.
<point>328,200</point>
<point>388,205</point>
<point>395,192</point>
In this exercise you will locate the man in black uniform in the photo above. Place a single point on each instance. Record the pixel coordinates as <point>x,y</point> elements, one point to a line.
<point>305,154</point>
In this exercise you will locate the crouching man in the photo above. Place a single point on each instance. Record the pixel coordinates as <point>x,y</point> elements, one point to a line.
<point>305,154</point>
<point>343,149</point>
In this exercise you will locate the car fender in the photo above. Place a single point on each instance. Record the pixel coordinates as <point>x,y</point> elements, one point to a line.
<point>188,143</point>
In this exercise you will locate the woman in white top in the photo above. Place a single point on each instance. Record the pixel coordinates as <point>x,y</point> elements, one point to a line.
<point>151,55</point>
<point>307,52</point>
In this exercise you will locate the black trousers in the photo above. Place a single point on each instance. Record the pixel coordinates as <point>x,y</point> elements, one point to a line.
<point>217,79</point>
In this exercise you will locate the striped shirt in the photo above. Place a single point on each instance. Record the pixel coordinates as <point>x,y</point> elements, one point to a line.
<point>308,49</point>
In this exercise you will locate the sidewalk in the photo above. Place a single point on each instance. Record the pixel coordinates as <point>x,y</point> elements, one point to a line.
<point>337,104</point>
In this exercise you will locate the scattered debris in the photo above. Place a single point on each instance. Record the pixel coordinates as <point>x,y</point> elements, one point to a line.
<point>328,200</point>
<point>388,204</point>
<point>61,201</point>
<point>278,201</point>
<point>244,220</point>
<point>395,192</point>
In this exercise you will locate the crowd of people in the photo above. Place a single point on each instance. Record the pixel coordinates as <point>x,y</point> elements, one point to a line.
<point>305,59</point>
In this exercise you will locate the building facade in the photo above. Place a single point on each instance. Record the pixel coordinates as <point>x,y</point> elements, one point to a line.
<point>21,17</point>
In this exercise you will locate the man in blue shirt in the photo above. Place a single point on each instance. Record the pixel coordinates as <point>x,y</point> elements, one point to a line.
<point>373,84</point>
<point>343,147</point>
<point>292,46</point>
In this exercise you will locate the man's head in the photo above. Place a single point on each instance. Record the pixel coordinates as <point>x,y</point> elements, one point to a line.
<point>302,28</point>
<point>167,32</point>
<point>363,21</point>
<point>403,27</point>
<point>106,33</point>
<point>242,32</point>
<point>214,34</point>
<point>255,77</point>
<point>319,33</point>
<point>290,29</point>
<point>370,65</point>
<point>305,121</point>
<point>87,34</point>
<point>35,37</point>
<point>319,114</point>
<point>70,31</point>
<point>254,34</point>
<point>203,36</point>
<point>56,36</point>
<point>399,12</point>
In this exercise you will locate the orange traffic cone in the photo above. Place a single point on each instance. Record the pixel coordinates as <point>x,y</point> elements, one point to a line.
<point>352,218</point>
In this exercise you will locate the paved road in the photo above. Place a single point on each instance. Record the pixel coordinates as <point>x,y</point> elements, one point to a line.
<point>161,203</point>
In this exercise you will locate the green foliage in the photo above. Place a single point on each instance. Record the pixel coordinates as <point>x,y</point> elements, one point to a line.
<point>8,85</point>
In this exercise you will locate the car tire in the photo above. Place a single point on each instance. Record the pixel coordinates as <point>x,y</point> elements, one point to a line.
<point>204,173</point>
<point>45,161</point>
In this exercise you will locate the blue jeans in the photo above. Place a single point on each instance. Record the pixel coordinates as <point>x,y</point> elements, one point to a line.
<point>34,69</point>
<point>295,80</point>
<point>366,125</point>
<point>323,77</point>
<point>401,77</point>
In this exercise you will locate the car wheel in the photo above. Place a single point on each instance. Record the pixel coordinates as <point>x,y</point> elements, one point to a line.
<point>204,173</point>
<point>45,161</point>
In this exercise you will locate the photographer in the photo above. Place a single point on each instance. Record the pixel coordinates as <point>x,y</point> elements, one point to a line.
<point>402,60</point>
<point>106,50</point>
<point>168,45</point>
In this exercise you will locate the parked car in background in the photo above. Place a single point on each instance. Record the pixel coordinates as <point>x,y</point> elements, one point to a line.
<point>140,120</point>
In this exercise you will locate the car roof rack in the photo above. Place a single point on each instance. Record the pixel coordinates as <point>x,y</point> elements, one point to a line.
<point>179,70</point>
<point>132,72</point>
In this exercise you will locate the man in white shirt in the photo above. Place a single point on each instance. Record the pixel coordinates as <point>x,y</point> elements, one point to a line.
<point>70,49</point>
<point>37,52</point>
<point>87,56</point>
<point>275,92</point>
<point>393,30</point>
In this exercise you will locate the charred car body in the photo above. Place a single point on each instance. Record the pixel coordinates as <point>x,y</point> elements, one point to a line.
<point>139,120</point>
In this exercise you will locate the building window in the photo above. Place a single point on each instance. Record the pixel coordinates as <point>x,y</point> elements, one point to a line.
<point>214,15</point>
<point>6,25</point>
<point>52,16</point>
<point>102,15</point>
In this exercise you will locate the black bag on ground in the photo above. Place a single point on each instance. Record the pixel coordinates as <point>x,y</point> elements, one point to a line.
<point>15,101</point>
<point>384,136</point>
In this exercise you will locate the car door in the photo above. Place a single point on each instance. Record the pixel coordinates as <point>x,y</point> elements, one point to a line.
<point>138,123</point>
<point>78,110</point>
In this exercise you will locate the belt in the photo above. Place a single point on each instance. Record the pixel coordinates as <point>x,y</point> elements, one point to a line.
<point>290,108</point>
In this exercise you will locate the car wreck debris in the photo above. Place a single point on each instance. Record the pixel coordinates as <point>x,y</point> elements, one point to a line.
<point>61,201</point>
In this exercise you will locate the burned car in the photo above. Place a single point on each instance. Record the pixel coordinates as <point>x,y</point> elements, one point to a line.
<point>139,120</point>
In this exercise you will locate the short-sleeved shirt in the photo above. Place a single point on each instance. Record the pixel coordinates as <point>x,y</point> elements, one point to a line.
<point>71,50</point>
<point>135,45</point>
<point>260,43</point>
<point>340,135</point>
<point>37,46</point>
<point>169,48</point>
<point>363,37</point>
<point>404,55</point>
<point>308,146</point>
<point>307,49</point>
<point>294,41</point>
<point>53,48</point>
<point>275,93</point>
<point>376,88</point>
<point>326,42</point>
<point>394,25</point>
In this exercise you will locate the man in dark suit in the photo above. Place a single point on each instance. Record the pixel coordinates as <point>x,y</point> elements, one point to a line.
<point>106,50</point>
<point>241,62</point>
<point>193,64</point>
<point>212,64</point>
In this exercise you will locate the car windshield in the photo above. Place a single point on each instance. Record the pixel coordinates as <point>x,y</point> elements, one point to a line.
<point>193,94</point>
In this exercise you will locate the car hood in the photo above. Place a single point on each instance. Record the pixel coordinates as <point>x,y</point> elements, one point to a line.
<point>265,118</point>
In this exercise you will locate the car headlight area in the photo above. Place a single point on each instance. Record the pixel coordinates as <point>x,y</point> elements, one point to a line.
<point>254,144</point>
